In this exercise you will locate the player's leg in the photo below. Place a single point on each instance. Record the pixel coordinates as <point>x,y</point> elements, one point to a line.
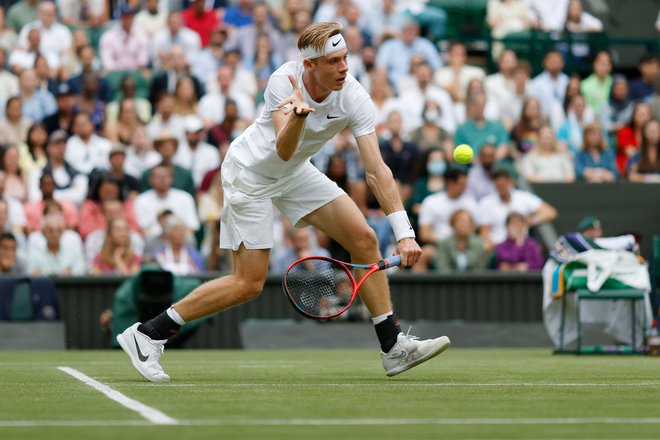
<point>243,285</point>
<point>144,342</point>
<point>343,221</point>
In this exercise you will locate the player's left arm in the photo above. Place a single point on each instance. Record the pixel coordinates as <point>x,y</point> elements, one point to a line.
<point>380,180</point>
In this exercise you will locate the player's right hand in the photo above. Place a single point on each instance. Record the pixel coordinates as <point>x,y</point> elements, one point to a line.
<point>296,102</point>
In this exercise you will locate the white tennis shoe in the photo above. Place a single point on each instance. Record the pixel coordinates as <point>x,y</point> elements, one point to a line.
<point>144,353</point>
<point>409,352</point>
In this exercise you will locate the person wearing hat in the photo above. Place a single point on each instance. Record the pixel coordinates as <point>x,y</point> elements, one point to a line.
<point>124,47</point>
<point>70,183</point>
<point>590,227</point>
<point>494,209</point>
<point>63,117</point>
<point>195,154</point>
<point>166,144</point>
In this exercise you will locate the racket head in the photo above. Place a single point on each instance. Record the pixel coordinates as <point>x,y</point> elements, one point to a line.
<point>319,287</point>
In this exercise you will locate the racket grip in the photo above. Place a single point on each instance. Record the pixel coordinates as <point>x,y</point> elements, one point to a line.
<point>392,261</point>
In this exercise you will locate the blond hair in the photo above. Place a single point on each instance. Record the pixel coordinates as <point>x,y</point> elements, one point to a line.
<point>109,245</point>
<point>316,35</point>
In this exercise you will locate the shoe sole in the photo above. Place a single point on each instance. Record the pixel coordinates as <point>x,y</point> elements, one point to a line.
<point>445,345</point>
<point>128,349</point>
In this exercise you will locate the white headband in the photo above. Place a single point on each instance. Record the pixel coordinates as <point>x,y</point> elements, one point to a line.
<point>334,43</point>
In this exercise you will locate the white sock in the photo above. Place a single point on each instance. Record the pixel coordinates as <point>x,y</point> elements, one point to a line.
<point>175,316</point>
<point>380,318</point>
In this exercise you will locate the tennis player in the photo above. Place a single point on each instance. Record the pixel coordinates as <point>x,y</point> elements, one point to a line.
<point>306,104</point>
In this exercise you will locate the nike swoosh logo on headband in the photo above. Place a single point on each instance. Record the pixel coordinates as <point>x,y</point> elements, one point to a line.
<point>336,43</point>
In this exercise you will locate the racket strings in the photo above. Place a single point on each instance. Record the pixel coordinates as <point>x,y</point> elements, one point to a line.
<point>319,287</point>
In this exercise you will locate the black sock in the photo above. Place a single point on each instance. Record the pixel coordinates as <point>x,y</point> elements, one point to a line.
<point>387,332</point>
<point>160,327</point>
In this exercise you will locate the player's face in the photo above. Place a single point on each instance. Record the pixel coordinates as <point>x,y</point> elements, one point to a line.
<point>331,70</point>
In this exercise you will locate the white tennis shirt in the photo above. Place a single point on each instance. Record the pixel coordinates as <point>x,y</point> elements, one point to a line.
<point>350,107</point>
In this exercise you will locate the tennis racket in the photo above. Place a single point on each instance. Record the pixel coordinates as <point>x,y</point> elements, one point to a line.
<point>324,288</point>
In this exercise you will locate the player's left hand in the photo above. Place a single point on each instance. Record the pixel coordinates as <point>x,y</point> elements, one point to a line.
<point>296,101</point>
<point>409,251</point>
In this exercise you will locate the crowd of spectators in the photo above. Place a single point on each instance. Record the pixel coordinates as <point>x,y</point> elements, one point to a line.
<point>115,117</point>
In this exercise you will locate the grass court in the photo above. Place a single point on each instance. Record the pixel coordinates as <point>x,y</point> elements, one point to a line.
<point>330,394</point>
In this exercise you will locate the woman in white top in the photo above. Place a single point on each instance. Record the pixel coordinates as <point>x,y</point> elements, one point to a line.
<point>175,256</point>
<point>545,162</point>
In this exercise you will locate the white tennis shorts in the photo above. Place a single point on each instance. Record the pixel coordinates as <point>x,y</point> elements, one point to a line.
<point>249,198</point>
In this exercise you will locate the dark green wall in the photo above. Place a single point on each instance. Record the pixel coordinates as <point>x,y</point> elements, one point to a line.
<point>478,297</point>
<point>622,208</point>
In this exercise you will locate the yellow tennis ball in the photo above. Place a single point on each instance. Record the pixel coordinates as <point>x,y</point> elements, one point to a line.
<point>463,154</point>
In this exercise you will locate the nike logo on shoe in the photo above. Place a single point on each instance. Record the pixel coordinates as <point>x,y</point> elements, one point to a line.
<point>142,357</point>
<point>397,355</point>
<point>332,117</point>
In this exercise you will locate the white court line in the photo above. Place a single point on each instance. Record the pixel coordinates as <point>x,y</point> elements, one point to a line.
<point>345,422</point>
<point>149,413</point>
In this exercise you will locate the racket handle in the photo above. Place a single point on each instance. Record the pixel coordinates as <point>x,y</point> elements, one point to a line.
<point>392,261</point>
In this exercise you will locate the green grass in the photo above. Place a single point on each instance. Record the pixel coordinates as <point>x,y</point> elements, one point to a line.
<point>463,394</point>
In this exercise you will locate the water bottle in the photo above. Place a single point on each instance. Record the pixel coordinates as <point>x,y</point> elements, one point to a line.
<point>653,340</point>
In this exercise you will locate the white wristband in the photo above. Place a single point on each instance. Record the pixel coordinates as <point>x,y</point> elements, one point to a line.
<point>401,225</point>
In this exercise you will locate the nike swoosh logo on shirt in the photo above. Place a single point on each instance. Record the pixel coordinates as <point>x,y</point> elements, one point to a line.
<point>142,357</point>
<point>332,117</point>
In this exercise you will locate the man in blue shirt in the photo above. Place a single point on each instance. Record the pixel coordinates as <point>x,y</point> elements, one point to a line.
<point>395,54</point>
<point>644,86</point>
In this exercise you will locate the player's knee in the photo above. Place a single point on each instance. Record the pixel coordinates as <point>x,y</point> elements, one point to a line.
<point>365,241</point>
<point>250,289</point>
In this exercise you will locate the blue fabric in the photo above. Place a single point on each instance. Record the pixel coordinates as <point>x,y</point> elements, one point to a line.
<point>44,299</point>
<point>640,91</point>
<point>571,133</point>
<point>45,304</point>
<point>234,17</point>
<point>395,56</point>
<point>585,160</point>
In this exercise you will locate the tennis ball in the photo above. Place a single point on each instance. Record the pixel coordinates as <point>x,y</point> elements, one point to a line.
<point>463,154</point>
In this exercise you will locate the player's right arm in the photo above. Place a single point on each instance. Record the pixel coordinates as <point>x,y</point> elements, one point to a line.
<point>288,122</point>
